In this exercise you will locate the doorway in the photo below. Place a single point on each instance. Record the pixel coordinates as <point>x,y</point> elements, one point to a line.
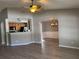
<point>49,32</point>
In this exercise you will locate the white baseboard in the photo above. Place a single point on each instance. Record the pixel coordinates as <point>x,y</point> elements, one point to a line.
<point>37,42</point>
<point>21,44</point>
<point>68,47</point>
<point>25,43</point>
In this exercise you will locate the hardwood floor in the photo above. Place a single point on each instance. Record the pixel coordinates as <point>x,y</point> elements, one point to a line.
<point>48,50</point>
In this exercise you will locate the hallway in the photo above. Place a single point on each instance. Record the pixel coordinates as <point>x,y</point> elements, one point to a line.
<point>48,50</point>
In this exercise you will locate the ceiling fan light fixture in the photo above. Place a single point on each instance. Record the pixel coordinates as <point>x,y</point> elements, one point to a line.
<point>34,8</point>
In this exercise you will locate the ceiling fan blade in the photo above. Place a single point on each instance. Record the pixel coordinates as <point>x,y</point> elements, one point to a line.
<point>43,1</point>
<point>26,1</point>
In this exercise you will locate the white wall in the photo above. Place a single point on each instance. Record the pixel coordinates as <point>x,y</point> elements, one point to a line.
<point>20,38</point>
<point>68,25</point>
<point>49,34</point>
<point>0,29</point>
<point>46,26</point>
<point>3,16</point>
<point>0,37</point>
<point>18,13</point>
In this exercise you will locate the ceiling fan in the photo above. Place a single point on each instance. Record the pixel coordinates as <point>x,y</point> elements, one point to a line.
<point>34,5</point>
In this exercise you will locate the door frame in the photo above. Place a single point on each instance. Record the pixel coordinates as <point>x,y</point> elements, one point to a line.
<point>41,31</point>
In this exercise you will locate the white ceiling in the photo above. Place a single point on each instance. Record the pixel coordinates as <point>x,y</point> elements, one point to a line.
<point>52,4</point>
